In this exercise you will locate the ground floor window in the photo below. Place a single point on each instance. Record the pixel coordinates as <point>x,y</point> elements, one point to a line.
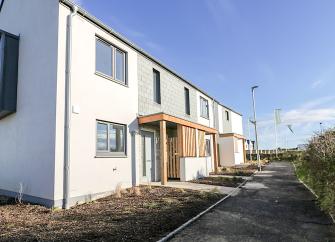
<point>208,147</point>
<point>111,139</point>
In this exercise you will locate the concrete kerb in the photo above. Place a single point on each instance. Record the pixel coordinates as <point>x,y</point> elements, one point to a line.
<point>310,189</point>
<point>183,226</point>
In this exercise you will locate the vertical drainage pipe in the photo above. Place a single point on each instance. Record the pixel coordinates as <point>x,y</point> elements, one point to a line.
<point>67,126</point>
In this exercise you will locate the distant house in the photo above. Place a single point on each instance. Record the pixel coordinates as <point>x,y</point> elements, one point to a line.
<point>82,109</point>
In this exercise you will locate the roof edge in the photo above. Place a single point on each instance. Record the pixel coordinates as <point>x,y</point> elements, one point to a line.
<point>111,31</point>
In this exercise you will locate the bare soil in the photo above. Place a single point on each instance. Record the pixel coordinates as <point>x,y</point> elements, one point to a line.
<point>239,170</point>
<point>220,181</point>
<point>145,215</point>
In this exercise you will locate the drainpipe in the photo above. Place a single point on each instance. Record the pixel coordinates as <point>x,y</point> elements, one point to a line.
<point>67,126</point>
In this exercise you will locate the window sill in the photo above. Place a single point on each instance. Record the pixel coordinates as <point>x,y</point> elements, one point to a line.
<point>110,156</point>
<point>204,117</point>
<point>111,79</point>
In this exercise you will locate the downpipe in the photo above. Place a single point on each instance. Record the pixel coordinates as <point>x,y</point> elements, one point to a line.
<point>67,126</point>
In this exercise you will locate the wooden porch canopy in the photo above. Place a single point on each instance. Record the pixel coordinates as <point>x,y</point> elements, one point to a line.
<point>185,136</point>
<point>169,118</point>
<point>238,136</point>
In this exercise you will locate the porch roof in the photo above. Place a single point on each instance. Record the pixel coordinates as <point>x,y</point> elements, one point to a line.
<point>169,118</point>
<point>238,136</point>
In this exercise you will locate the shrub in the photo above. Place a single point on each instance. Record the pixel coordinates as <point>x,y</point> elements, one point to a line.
<point>316,167</point>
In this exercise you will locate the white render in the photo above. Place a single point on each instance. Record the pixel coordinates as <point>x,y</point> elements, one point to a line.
<point>32,139</point>
<point>194,167</point>
<point>27,138</point>
<point>98,98</point>
<point>230,148</point>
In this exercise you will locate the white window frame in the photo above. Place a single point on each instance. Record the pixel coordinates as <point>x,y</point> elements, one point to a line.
<point>202,99</point>
<point>125,63</point>
<point>108,153</point>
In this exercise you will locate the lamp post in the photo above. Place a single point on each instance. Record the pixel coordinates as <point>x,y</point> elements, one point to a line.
<point>255,123</point>
<point>250,150</point>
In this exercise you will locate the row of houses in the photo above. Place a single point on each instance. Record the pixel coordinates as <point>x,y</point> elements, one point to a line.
<point>83,110</point>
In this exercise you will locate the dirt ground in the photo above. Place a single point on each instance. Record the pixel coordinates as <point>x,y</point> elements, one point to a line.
<point>145,216</point>
<point>220,181</point>
<point>239,170</point>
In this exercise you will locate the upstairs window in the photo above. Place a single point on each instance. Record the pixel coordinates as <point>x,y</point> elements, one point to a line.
<point>204,110</point>
<point>157,86</point>
<point>227,115</point>
<point>110,61</point>
<point>187,101</point>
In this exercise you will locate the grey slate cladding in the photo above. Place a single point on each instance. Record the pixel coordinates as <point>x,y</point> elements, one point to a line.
<point>172,92</point>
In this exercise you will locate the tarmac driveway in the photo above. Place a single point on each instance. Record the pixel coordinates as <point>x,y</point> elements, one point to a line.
<point>274,206</point>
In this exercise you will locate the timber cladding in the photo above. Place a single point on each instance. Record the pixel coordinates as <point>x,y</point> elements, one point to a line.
<point>186,141</point>
<point>202,143</point>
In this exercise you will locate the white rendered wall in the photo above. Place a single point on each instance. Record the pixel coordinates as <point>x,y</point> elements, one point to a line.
<point>96,98</point>
<point>239,159</point>
<point>226,149</point>
<point>231,151</point>
<point>225,125</point>
<point>233,125</point>
<point>194,167</point>
<point>27,138</point>
<point>236,122</point>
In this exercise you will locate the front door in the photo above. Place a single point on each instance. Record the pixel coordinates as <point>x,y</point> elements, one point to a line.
<point>148,164</point>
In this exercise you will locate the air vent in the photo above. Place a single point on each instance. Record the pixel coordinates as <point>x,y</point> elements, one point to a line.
<point>9,55</point>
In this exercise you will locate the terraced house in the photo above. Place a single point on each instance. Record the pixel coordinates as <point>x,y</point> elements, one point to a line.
<point>83,110</point>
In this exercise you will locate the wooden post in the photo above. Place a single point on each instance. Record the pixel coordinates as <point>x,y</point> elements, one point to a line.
<point>163,153</point>
<point>216,161</point>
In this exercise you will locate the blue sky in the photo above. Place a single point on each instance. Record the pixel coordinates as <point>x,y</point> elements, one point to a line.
<point>226,46</point>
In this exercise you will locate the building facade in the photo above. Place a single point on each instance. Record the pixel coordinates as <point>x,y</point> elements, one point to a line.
<point>93,111</point>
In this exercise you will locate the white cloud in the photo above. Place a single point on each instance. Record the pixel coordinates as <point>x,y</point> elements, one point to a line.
<point>317,84</point>
<point>305,120</point>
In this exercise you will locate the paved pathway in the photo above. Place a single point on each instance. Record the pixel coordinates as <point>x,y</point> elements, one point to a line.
<point>274,206</point>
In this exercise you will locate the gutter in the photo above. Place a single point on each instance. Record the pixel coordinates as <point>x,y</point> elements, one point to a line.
<point>67,126</point>
<point>109,30</point>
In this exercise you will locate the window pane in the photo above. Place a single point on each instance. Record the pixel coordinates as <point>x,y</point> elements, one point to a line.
<point>104,58</point>
<point>116,138</point>
<point>157,86</point>
<point>203,107</point>
<point>187,101</point>
<point>102,137</point>
<point>119,69</point>
<point>208,147</point>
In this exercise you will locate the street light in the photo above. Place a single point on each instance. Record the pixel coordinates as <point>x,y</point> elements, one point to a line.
<point>255,123</point>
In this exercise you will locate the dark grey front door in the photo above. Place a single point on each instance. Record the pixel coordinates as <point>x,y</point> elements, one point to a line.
<point>148,162</point>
